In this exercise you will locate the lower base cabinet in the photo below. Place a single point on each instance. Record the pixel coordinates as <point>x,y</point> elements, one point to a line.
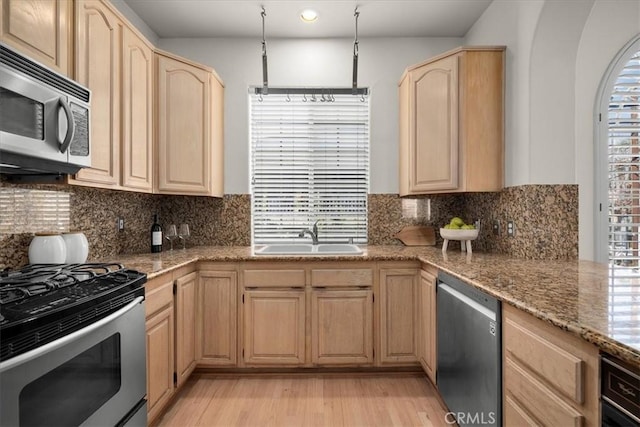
<point>427,322</point>
<point>550,377</point>
<point>274,332</point>
<point>341,327</point>
<point>160,344</point>
<point>399,315</point>
<point>217,318</point>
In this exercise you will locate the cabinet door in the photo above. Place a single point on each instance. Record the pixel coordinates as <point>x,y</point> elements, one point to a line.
<point>184,144</point>
<point>274,329</point>
<point>218,312</point>
<point>427,327</point>
<point>398,315</point>
<point>186,291</point>
<point>137,113</point>
<point>160,385</point>
<point>41,29</point>
<point>217,137</point>
<point>433,122</point>
<point>342,327</point>
<point>98,45</point>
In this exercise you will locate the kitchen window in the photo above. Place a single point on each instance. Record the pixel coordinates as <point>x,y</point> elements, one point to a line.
<point>309,163</point>
<point>622,128</point>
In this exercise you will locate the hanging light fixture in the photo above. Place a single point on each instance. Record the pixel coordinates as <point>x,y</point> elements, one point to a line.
<point>325,94</point>
<point>354,85</point>
<point>265,77</point>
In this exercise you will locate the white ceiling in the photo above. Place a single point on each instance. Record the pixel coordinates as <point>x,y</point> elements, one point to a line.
<point>241,18</point>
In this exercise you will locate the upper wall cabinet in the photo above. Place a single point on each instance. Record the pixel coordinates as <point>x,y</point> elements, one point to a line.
<point>41,29</point>
<point>189,105</point>
<point>117,65</point>
<point>452,123</point>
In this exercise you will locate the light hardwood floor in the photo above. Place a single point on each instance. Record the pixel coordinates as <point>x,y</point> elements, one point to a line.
<point>306,400</point>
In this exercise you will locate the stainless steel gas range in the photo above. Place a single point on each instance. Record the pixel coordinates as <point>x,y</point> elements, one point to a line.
<point>72,346</point>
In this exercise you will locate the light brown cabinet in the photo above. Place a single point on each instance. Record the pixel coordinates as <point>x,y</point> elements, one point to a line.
<point>308,314</point>
<point>399,315</point>
<point>452,123</point>
<point>137,113</point>
<point>98,67</point>
<point>160,343</point>
<point>274,329</point>
<point>427,322</point>
<point>185,131</point>
<point>341,326</point>
<point>41,29</point>
<point>171,324</point>
<point>217,334</point>
<point>550,377</point>
<point>185,310</point>
<point>116,63</point>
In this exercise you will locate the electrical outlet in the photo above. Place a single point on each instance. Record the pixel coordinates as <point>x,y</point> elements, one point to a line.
<point>496,227</point>
<point>511,229</point>
<point>120,224</point>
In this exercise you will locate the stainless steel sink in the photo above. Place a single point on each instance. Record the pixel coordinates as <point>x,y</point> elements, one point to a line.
<point>307,249</point>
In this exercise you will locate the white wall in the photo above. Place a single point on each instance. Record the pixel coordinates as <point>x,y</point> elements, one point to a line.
<point>315,62</point>
<point>512,23</point>
<point>136,21</point>
<point>558,53</point>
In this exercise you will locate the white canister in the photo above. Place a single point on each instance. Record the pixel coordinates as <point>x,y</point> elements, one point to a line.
<point>77,247</point>
<point>47,248</point>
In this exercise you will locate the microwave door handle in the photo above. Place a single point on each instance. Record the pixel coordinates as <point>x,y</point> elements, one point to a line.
<point>71,127</point>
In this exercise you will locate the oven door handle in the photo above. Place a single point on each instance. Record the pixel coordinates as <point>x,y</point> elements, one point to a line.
<point>61,342</point>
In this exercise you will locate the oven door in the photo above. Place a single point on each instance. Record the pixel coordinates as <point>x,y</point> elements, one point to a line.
<point>94,376</point>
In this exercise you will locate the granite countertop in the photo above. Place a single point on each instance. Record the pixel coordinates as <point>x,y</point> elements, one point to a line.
<point>581,297</point>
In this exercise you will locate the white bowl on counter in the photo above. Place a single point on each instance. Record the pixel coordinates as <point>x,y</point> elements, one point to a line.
<point>465,236</point>
<point>77,247</point>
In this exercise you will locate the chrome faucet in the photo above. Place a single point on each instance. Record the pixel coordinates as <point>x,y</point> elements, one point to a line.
<point>313,232</point>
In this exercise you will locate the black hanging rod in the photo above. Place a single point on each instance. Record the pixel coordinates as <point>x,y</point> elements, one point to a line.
<point>309,91</point>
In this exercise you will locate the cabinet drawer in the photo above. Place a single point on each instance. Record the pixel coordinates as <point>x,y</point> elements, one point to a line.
<point>274,278</point>
<point>516,415</point>
<point>541,402</point>
<point>342,277</point>
<point>562,370</point>
<point>159,296</point>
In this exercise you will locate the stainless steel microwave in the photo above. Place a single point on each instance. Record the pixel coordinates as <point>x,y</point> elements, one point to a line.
<point>44,118</point>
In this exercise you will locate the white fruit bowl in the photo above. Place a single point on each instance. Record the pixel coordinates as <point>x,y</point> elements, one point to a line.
<point>465,237</point>
<point>456,234</point>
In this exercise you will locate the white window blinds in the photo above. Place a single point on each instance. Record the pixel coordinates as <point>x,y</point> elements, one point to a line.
<point>309,162</point>
<point>624,166</point>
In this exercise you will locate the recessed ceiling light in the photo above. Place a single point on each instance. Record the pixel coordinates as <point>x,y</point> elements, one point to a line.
<point>309,15</point>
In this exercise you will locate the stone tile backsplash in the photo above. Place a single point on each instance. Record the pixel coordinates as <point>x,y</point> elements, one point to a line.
<point>546,218</point>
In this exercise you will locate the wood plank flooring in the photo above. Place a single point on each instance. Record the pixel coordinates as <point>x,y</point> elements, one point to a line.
<point>334,400</point>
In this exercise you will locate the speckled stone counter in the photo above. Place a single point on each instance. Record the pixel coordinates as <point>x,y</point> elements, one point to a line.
<point>582,297</point>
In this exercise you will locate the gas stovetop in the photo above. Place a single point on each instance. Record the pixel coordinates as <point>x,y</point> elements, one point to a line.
<point>42,302</point>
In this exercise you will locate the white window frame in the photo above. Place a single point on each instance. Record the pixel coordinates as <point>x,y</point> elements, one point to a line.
<point>601,148</point>
<point>351,130</point>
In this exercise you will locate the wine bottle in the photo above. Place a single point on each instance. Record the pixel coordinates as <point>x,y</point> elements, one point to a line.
<point>156,235</point>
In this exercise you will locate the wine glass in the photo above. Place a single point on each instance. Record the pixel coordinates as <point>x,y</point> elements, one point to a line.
<point>171,235</point>
<point>184,234</point>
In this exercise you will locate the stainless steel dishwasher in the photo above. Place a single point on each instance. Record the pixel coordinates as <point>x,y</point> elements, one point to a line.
<point>469,374</point>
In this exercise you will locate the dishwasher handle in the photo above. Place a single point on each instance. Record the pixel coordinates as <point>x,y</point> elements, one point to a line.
<point>468,301</point>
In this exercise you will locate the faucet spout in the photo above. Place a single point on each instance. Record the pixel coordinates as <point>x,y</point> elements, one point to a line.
<point>314,236</point>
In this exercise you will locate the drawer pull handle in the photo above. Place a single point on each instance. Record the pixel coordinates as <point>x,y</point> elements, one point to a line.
<point>626,390</point>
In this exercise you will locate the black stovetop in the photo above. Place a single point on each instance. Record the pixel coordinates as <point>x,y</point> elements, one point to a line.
<point>42,302</point>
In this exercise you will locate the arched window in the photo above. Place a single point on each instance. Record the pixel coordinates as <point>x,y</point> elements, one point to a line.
<point>618,171</point>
